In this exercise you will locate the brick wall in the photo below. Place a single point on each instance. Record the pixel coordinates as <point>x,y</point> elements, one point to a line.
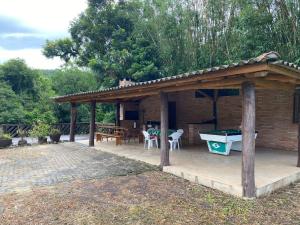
<point>274,118</point>
<point>274,113</point>
<point>129,106</point>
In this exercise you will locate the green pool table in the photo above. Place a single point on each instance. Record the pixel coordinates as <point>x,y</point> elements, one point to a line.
<point>156,132</point>
<point>222,141</point>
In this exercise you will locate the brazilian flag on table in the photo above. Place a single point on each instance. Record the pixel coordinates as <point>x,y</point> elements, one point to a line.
<point>216,146</point>
<point>156,132</point>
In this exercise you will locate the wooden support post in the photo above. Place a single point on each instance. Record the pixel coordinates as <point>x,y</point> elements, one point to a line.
<point>215,109</point>
<point>298,161</point>
<point>73,121</point>
<point>248,140</point>
<point>296,119</point>
<point>92,123</point>
<point>118,114</point>
<point>164,143</point>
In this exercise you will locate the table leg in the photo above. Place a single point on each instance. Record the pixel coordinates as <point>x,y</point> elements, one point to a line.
<point>118,140</point>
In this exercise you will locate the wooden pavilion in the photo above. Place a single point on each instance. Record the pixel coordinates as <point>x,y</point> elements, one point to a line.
<point>265,72</point>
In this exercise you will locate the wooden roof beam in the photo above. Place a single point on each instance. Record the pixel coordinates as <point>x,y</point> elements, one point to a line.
<point>282,78</point>
<point>283,71</point>
<point>270,84</point>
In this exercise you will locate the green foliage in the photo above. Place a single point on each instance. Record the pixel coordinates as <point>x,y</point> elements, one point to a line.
<point>4,135</point>
<point>145,40</point>
<point>72,80</point>
<point>11,109</point>
<point>43,109</point>
<point>109,117</point>
<point>105,113</point>
<point>21,78</point>
<point>25,94</point>
<point>63,48</point>
<point>22,133</point>
<point>54,131</point>
<point>40,130</point>
<point>108,41</point>
<point>30,100</point>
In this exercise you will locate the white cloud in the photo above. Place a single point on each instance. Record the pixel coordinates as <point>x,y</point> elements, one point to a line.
<point>44,15</point>
<point>22,35</point>
<point>48,18</point>
<point>33,57</point>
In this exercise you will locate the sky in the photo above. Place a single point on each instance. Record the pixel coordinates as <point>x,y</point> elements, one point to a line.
<point>25,25</point>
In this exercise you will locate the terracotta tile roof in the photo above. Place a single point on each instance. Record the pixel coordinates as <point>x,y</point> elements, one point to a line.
<point>269,58</point>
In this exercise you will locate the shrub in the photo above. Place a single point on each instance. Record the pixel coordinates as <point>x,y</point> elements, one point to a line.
<point>54,131</point>
<point>5,136</point>
<point>22,133</point>
<point>40,130</point>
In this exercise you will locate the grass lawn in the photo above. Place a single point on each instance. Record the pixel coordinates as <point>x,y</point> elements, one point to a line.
<point>148,198</point>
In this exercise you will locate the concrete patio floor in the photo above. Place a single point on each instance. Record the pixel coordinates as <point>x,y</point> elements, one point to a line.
<point>273,168</point>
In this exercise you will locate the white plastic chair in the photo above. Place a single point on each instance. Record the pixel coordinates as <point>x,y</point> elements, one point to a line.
<point>180,131</point>
<point>149,140</point>
<point>175,140</point>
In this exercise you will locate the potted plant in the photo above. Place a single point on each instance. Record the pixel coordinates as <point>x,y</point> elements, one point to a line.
<point>55,135</point>
<point>41,131</point>
<point>22,134</point>
<point>5,140</point>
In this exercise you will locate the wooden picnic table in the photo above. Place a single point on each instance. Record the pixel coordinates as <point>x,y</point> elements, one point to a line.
<point>119,133</point>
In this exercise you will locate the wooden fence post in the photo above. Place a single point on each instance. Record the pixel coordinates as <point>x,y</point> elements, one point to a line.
<point>248,139</point>
<point>164,143</point>
<point>73,121</point>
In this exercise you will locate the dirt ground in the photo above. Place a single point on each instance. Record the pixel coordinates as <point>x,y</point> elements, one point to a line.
<point>148,198</point>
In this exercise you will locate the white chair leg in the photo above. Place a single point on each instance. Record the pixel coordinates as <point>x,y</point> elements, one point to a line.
<point>145,144</point>
<point>171,146</point>
<point>149,144</point>
<point>156,141</point>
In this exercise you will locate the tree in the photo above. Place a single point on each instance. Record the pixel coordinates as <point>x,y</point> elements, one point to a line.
<point>28,94</point>
<point>69,81</point>
<point>20,77</point>
<point>43,109</point>
<point>11,109</point>
<point>64,48</point>
<point>144,40</point>
<point>106,40</point>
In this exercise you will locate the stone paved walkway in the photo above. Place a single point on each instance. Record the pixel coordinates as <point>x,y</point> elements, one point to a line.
<point>23,168</point>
